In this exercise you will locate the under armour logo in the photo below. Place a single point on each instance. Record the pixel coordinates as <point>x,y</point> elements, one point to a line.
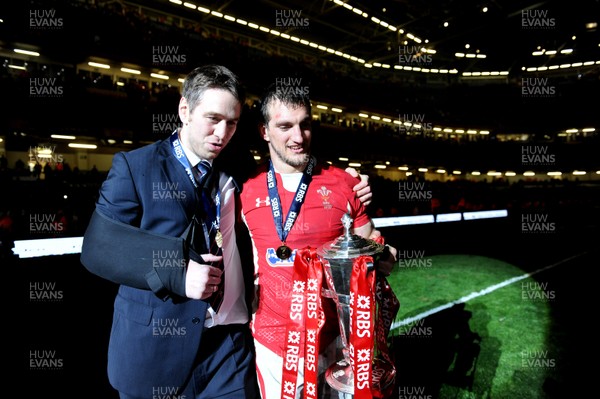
<point>266,201</point>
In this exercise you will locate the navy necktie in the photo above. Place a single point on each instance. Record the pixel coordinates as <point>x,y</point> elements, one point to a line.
<point>203,168</point>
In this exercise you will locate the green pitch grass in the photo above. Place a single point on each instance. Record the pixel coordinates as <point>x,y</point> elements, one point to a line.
<point>502,344</point>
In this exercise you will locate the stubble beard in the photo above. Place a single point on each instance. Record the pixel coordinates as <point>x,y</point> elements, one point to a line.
<point>297,160</point>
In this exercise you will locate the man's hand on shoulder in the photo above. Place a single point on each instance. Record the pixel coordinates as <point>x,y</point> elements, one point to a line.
<point>362,188</point>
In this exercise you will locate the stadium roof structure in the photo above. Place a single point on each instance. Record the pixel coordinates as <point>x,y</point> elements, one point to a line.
<point>393,58</point>
<point>464,37</point>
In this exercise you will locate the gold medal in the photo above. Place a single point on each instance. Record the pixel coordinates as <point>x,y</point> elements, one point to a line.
<point>219,238</point>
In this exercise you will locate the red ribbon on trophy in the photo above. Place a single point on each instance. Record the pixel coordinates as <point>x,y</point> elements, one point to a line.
<point>315,318</point>
<point>384,370</point>
<point>304,326</point>
<point>362,321</point>
<point>373,309</point>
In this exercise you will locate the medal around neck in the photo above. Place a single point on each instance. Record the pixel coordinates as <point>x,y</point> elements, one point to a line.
<point>219,239</point>
<point>284,252</point>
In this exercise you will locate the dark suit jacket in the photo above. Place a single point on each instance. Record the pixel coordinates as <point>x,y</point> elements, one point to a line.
<point>136,238</point>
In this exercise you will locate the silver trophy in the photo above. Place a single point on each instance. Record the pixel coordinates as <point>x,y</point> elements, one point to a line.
<point>340,255</point>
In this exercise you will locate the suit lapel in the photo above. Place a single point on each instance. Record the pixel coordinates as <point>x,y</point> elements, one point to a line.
<point>174,172</point>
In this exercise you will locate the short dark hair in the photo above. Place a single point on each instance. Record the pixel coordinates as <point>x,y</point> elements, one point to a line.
<point>288,95</point>
<point>210,77</point>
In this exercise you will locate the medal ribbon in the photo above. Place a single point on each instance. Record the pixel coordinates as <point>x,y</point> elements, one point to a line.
<point>180,156</point>
<point>213,219</point>
<point>304,326</point>
<point>283,230</point>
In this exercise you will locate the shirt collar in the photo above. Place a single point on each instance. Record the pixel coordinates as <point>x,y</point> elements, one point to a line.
<point>193,159</point>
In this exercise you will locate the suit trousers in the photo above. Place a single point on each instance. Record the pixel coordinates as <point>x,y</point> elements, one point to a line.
<point>225,367</point>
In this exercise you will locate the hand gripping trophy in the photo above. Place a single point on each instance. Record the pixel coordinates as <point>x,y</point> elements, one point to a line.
<point>352,284</point>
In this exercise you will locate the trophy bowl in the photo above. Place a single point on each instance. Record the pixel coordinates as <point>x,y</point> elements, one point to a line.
<point>339,256</point>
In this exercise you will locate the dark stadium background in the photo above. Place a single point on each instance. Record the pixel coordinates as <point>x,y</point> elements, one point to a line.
<point>117,111</point>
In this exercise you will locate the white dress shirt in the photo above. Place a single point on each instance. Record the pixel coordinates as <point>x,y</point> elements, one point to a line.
<point>233,310</point>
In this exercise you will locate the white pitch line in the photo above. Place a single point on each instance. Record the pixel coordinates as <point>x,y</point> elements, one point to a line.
<point>472,295</point>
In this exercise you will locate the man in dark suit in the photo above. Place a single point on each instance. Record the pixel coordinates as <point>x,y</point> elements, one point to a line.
<point>151,233</point>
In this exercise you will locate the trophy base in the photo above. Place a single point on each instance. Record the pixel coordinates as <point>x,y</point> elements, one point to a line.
<point>339,376</point>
